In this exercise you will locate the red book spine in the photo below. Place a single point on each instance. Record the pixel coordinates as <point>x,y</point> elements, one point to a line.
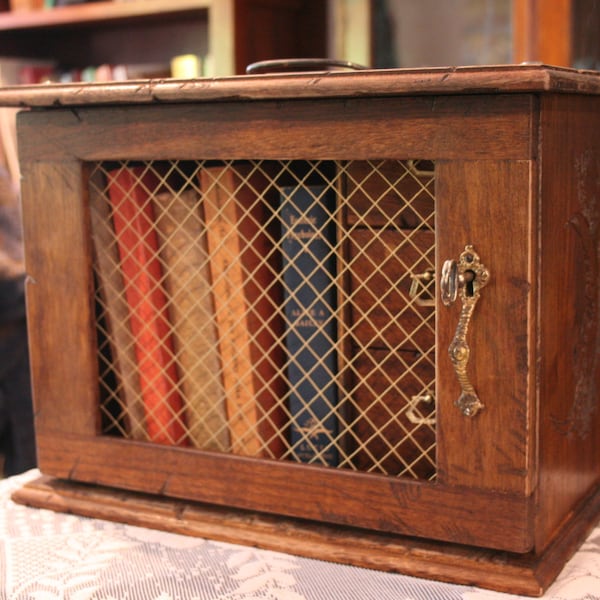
<point>130,190</point>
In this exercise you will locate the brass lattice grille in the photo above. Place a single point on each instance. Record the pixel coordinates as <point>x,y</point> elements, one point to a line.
<point>276,309</point>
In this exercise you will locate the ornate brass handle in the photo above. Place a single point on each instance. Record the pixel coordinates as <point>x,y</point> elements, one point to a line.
<point>465,277</point>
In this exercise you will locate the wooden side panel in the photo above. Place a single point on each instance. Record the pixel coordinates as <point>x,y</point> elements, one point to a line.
<point>59,303</point>
<point>569,307</point>
<point>488,204</point>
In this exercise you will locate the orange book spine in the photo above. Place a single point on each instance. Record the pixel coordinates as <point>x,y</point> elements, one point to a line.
<point>248,324</point>
<point>130,191</point>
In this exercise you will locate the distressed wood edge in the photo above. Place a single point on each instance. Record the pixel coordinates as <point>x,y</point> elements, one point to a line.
<point>384,82</point>
<point>529,574</point>
<point>342,497</point>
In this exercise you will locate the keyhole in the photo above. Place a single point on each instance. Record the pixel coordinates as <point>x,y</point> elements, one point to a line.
<point>469,279</point>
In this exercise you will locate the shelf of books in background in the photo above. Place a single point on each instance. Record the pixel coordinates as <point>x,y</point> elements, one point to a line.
<point>27,5</point>
<point>14,71</point>
<point>23,71</point>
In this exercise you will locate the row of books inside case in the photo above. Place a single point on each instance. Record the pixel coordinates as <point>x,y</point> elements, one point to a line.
<point>274,309</point>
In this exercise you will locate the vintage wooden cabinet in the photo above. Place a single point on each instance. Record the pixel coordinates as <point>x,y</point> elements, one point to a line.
<point>345,315</point>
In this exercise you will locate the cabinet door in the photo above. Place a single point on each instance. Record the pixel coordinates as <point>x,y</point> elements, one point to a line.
<point>322,293</point>
<point>408,190</point>
<point>488,204</point>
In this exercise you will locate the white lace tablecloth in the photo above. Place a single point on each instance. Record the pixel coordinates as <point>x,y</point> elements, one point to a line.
<point>47,556</point>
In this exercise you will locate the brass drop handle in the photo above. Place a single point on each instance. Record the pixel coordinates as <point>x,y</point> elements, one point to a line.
<point>465,277</point>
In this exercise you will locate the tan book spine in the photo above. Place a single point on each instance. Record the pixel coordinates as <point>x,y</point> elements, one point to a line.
<point>184,255</point>
<point>111,291</point>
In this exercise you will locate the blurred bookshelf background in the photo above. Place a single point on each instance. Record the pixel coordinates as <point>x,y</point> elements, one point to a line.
<point>46,41</point>
<point>73,40</point>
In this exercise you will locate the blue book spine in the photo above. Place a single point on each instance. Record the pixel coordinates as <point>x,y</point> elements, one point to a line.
<point>309,265</point>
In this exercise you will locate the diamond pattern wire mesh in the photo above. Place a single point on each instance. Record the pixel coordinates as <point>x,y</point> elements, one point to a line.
<point>275,309</point>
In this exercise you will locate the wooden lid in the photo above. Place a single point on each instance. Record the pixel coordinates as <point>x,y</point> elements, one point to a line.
<point>318,84</point>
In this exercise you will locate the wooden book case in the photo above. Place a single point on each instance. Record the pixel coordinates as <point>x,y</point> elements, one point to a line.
<point>446,301</point>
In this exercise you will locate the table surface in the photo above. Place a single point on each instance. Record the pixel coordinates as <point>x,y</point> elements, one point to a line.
<point>46,555</point>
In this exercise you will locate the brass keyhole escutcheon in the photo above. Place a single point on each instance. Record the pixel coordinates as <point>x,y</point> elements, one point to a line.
<point>465,278</point>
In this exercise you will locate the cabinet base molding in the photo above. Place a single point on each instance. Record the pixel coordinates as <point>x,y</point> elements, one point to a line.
<point>528,574</point>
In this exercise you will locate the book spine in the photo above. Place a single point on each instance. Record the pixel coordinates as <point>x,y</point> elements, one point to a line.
<point>183,250</point>
<point>309,265</point>
<point>248,323</point>
<point>130,191</point>
<point>116,311</point>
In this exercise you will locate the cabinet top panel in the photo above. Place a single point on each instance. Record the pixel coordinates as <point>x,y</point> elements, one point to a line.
<point>534,78</point>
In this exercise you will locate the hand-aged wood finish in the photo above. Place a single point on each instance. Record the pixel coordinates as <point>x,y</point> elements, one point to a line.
<point>569,446</point>
<point>475,452</point>
<point>516,176</point>
<point>60,259</point>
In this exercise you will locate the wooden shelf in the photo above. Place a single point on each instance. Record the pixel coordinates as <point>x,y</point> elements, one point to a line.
<point>99,12</point>
<point>140,31</point>
<point>231,32</point>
